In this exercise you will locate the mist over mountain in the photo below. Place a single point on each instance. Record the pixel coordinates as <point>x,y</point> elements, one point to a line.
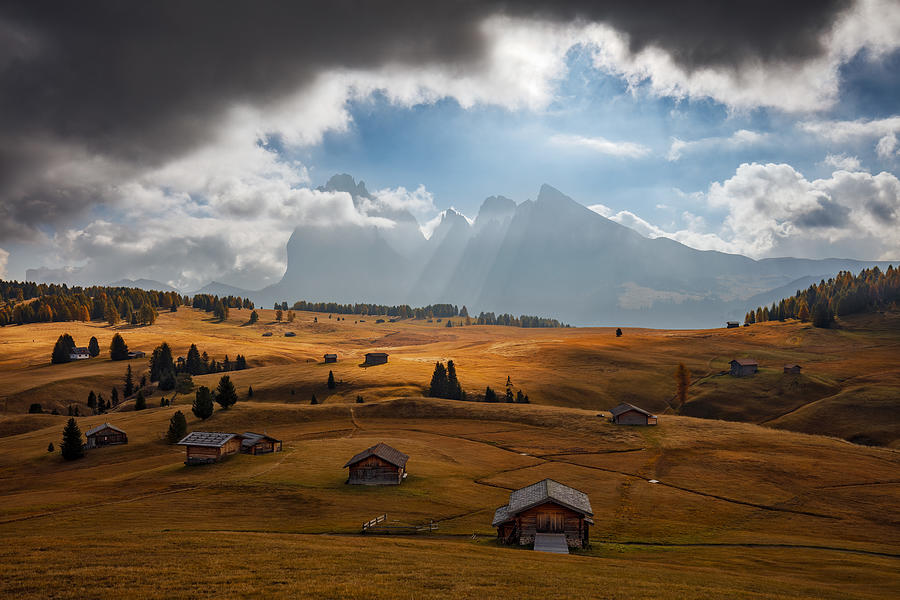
<point>549,256</point>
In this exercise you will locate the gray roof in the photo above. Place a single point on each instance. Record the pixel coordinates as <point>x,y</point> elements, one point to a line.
<point>100,428</point>
<point>213,439</point>
<point>625,407</point>
<point>745,362</point>
<point>538,493</point>
<point>80,350</point>
<point>251,439</point>
<point>376,353</point>
<point>329,355</point>
<point>383,451</point>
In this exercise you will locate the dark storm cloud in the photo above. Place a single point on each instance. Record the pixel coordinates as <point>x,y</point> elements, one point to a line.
<point>828,213</point>
<point>143,82</point>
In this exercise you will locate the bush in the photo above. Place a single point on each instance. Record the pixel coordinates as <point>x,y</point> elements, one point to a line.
<point>359,399</point>
<point>184,384</point>
<point>35,409</point>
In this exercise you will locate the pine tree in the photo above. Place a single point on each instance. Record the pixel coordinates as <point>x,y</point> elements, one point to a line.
<point>162,367</point>
<point>253,317</point>
<point>250,392</point>
<point>92,400</point>
<point>682,381</point>
<point>509,396</point>
<point>50,447</point>
<point>193,364</point>
<point>454,389</point>
<point>490,395</point>
<point>313,400</point>
<point>278,315</point>
<point>618,332</point>
<point>94,347</point>
<point>331,383</point>
<point>114,398</point>
<point>110,314</point>
<point>177,428</point>
<point>439,382</point>
<point>129,383</point>
<point>203,403</point>
<point>72,446</point>
<point>359,399</point>
<point>35,409</point>
<point>520,397</point>
<point>118,349</point>
<point>62,350</point>
<point>226,395</point>
<point>140,403</point>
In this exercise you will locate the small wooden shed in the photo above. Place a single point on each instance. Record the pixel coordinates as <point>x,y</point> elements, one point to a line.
<point>793,369</point>
<point>545,507</point>
<point>376,358</point>
<point>629,414</point>
<point>259,443</point>
<point>204,447</point>
<point>378,465</point>
<point>741,367</point>
<point>732,324</point>
<point>105,435</point>
<point>136,354</point>
<point>79,353</point>
<point>330,358</point>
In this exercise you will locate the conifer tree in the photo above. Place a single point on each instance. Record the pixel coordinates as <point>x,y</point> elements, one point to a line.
<point>118,349</point>
<point>313,400</point>
<point>193,363</point>
<point>682,381</point>
<point>72,446</point>
<point>129,383</point>
<point>203,403</point>
<point>331,383</point>
<point>454,389</point>
<point>618,332</point>
<point>359,399</point>
<point>254,317</point>
<point>439,382</point>
<point>226,395</point>
<point>94,347</point>
<point>490,395</point>
<point>62,349</point>
<point>50,447</point>
<point>92,400</point>
<point>140,403</point>
<point>114,398</point>
<point>35,409</point>
<point>177,428</point>
<point>250,392</point>
<point>162,367</point>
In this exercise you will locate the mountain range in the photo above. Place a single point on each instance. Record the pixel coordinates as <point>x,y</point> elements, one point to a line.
<point>549,257</point>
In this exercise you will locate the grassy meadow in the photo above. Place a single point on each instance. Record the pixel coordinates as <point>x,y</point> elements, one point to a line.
<point>749,507</point>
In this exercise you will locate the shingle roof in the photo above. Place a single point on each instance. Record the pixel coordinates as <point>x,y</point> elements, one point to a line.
<point>625,407</point>
<point>547,490</point>
<point>251,439</point>
<point>80,350</point>
<point>383,451</point>
<point>501,516</point>
<point>331,355</point>
<point>100,428</point>
<point>745,362</point>
<point>203,438</point>
<point>376,353</point>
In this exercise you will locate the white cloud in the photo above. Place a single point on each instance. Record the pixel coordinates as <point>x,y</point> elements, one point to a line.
<point>887,146</point>
<point>843,162</point>
<point>741,138</point>
<point>884,130</point>
<point>419,202</point>
<point>4,257</point>
<point>602,145</point>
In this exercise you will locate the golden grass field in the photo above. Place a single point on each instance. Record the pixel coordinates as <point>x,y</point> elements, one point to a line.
<point>740,510</point>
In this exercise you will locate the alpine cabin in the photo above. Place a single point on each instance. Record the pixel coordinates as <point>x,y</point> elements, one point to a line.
<point>105,435</point>
<point>208,447</point>
<point>546,507</point>
<point>793,369</point>
<point>376,358</point>
<point>330,358</point>
<point>741,367</point>
<point>732,324</point>
<point>79,353</point>
<point>378,465</point>
<point>628,414</point>
<point>259,443</point>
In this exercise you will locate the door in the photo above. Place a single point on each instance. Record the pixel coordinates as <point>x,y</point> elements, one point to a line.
<point>551,523</point>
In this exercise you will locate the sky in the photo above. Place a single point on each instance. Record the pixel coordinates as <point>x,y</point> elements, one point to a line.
<point>183,142</point>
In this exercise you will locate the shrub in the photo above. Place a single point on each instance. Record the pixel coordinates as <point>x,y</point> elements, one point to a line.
<point>35,409</point>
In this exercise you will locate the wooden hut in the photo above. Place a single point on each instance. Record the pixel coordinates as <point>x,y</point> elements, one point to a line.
<point>330,358</point>
<point>208,447</point>
<point>732,324</point>
<point>628,414</point>
<point>378,465</point>
<point>79,353</point>
<point>545,507</point>
<point>793,369</point>
<point>136,354</point>
<point>376,358</point>
<point>741,367</point>
<point>259,443</point>
<point>105,435</point>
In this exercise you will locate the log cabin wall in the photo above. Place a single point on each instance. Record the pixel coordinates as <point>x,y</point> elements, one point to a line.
<point>552,518</point>
<point>375,471</point>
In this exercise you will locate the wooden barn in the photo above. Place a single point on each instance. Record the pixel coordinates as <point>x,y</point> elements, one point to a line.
<point>376,358</point>
<point>732,324</point>
<point>330,358</point>
<point>208,447</point>
<point>793,369</point>
<point>79,353</point>
<point>741,367</point>
<point>136,354</point>
<point>628,414</point>
<point>259,443</point>
<point>546,507</point>
<point>105,435</point>
<point>378,465</point>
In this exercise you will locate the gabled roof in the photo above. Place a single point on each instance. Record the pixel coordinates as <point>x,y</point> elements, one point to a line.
<point>625,407</point>
<point>792,367</point>
<point>251,439</point>
<point>79,350</point>
<point>210,439</point>
<point>382,451</point>
<point>745,362</point>
<point>100,428</point>
<point>376,353</point>
<point>330,355</point>
<point>538,493</point>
